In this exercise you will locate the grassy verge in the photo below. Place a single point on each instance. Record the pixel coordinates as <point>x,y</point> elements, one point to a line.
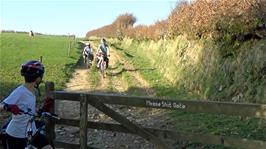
<point>148,70</point>
<point>223,71</point>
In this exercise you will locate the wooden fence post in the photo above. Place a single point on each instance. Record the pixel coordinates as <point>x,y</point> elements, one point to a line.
<point>50,125</point>
<point>83,121</point>
<point>69,48</point>
<point>41,59</point>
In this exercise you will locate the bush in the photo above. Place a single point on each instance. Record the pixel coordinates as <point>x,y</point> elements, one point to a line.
<point>219,17</point>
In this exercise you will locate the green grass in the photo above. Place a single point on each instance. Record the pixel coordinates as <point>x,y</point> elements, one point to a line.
<point>147,69</point>
<point>17,48</point>
<point>251,128</point>
<point>94,76</point>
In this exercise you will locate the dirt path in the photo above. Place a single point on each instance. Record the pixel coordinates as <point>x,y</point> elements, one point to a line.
<point>113,83</point>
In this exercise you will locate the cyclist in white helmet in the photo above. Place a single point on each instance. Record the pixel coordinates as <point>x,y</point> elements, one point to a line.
<point>104,49</point>
<point>88,52</point>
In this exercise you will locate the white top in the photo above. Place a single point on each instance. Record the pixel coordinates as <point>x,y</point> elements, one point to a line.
<point>87,50</point>
<point>24,99</point>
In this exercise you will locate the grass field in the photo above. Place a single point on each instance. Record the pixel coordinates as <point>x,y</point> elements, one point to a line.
<point>57,55</point>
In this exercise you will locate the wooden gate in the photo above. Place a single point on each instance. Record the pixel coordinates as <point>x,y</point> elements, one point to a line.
<point>154,136</point>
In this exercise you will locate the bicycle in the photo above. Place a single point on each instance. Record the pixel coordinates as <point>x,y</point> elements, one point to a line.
<point>101,64</point>
<point>102,68</point>
<point>88,61</point>
<point>40,124</point>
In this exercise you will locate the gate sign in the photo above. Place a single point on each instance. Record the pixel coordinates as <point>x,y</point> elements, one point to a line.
<point>165,104</point>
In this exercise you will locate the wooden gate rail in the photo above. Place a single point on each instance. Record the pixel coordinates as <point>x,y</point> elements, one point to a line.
<point>168,134</point>
<point>153,135</point>
<point>211,107</point>
<point>128,124</point>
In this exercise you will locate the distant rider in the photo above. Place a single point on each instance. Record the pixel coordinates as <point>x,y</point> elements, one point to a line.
<point>103,49</point>
<point>88,52</point>
<point>31,34</point>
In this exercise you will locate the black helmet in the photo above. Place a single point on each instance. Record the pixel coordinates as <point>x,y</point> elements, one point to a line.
<point>32,70</point>
<point>103,40</point>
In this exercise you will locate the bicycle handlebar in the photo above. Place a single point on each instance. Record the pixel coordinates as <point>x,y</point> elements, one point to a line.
<point>43,114</point>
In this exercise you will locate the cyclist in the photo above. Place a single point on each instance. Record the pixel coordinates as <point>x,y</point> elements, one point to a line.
<point>23,99</point>
<point>104,49</point>
<point>88,52</point>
